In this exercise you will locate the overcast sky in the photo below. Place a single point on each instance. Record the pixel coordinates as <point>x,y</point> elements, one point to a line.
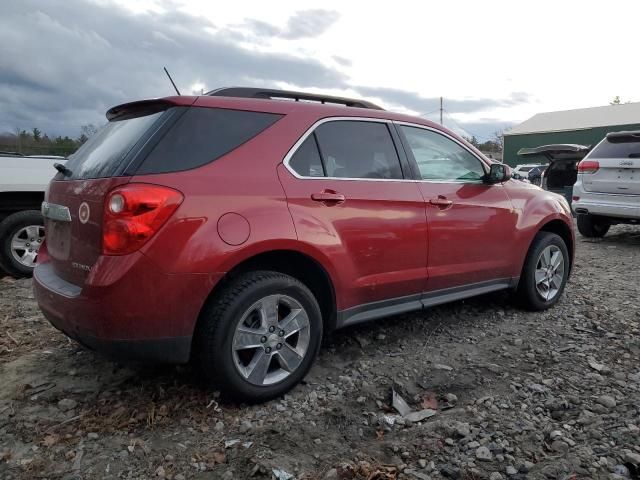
<point>496,63</point>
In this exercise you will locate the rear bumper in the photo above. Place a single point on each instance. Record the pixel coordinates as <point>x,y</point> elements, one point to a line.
<point>136,312</point>
<point>609,205</point>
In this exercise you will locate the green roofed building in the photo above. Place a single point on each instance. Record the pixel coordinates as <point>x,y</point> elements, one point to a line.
<point>584,126</point>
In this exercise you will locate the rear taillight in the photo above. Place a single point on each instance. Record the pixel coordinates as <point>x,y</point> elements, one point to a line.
<point>588,166</point>
<point>133,214</point>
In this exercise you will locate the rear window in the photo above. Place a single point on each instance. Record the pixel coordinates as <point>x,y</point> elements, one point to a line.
<point>203,135</point>
<point>103,154</point>
<point>621,147</point>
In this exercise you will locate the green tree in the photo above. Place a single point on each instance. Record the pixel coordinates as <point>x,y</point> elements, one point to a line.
<point>37,134</point>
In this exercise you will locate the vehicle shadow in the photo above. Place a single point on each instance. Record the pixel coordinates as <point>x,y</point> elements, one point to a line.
<point>618,235</point>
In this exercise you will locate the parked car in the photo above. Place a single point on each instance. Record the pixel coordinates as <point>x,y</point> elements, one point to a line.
<point>233,229</point>
<point>524,169</point>
<point>562,171</point>
<point>23,181</point>
<point>607,190</point>
<point>535,174</point>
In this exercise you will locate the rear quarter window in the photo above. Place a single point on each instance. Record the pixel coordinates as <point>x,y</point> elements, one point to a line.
<point>203,135</point>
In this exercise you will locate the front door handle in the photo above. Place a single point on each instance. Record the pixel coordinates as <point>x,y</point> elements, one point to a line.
<point>441,202</point>
<point>328,197</point>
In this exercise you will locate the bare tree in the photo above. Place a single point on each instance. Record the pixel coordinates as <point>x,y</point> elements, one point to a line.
<point>498,138</point>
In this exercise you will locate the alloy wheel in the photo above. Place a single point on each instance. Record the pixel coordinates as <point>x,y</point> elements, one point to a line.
<point>25,244</point>
<point>271,340</point>
<point>549,273</point>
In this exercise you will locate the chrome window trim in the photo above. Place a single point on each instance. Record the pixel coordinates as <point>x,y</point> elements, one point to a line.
<point>312,128</point>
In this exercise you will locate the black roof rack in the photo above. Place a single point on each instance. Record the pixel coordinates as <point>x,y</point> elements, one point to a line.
<point>267,93</point>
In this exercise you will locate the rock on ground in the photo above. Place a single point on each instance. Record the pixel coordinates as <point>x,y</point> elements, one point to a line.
<point>517,395</point>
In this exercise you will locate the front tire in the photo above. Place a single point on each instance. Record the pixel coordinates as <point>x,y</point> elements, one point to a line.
<point>259,336</point>
<point>21,235</point>
<point>545,272</point>
<point>592,227</point>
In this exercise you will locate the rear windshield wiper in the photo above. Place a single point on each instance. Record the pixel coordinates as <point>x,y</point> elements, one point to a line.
<point>62,169</point>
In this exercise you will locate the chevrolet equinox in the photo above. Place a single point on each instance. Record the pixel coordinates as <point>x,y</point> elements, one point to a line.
<point>232,229</point>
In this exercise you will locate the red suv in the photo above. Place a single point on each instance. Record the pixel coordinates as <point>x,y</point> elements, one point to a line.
<point>234,228</point>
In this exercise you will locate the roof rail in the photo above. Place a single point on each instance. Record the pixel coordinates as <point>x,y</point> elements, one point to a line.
<point>267,93</point>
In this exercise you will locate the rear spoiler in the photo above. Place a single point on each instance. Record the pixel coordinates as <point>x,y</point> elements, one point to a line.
<point>555,151</point>
<point>624,137</point>
<point>146,107</point>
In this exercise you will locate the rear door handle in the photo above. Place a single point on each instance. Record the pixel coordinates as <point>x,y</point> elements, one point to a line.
<point>441,202</point>
<point>328,197</point>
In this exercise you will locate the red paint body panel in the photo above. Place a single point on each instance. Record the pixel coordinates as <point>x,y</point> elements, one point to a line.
<point>467,239</point>
<point>128,298</point>
<point>386,240</point>
<point>376,238</point>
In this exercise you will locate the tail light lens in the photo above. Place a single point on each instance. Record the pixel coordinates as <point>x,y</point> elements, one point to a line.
<point>133,214</point>
<point>588,166</point>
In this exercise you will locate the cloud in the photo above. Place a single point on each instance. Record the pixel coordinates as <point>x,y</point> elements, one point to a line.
<point>302,24</point>
<point>414,101</point>
<point>309,23</point>
<point>64,64</point>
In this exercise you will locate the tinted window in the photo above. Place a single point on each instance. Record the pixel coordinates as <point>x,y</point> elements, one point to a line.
<point>306,161</point>
<point>103,153</point>
<point>440,158</point>
<point>354,149</point>
<point>620,148</point>
<point>202,135</point>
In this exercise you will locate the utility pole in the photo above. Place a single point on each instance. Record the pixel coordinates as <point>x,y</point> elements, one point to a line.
<point>441,111</point>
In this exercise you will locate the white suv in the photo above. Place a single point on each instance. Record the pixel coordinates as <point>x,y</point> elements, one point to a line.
<point>607,191</point>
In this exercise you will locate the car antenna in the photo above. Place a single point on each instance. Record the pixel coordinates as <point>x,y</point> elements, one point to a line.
<point>171,80</point>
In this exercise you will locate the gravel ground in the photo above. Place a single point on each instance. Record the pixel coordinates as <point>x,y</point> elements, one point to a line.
<point>492,392</point>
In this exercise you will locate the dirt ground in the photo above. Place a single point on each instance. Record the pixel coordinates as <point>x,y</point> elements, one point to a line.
<point>502,394</point>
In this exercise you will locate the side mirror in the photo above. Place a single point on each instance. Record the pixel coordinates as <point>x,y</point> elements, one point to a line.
<point>498,173</point>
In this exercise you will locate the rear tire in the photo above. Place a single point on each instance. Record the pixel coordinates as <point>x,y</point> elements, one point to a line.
<point>545,272</point>
<point>247,326</point>
<point>592,227</point>
<point>21,235</point>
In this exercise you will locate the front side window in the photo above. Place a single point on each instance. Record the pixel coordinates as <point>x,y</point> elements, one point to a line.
<point>442,159</point>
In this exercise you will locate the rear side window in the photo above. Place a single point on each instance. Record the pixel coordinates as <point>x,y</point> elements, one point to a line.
<point>306,161</point>
<point>203,135</point>
<point>358,149</point>
<point>104,153</point>
<point>623,147</point>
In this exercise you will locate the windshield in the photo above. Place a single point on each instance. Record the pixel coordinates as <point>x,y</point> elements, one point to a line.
<point>103,154</point>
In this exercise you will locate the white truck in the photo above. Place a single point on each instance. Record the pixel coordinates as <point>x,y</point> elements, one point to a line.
<point>23,182</point>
